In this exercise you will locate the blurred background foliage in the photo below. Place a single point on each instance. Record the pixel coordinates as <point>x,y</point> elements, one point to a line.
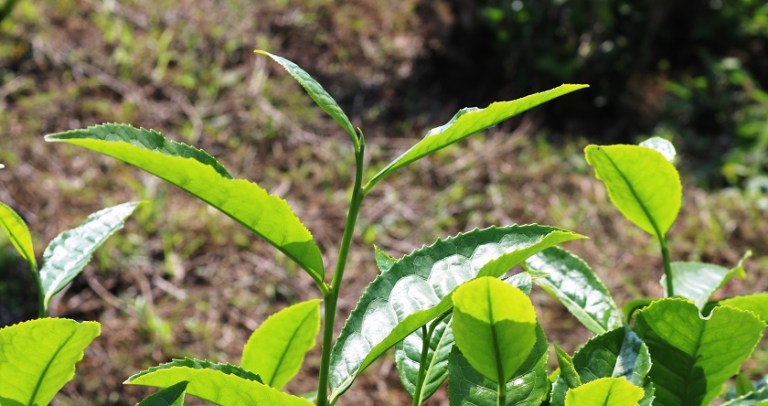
<point>183,280</point>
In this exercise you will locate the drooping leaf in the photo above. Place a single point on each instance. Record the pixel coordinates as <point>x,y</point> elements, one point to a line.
<point>692,357</point>
<point>408,351</point>
<point>383,260</point>
<point>466,122</point>
<point>661,145</point>
<point>616,354</point>
<point>529,385</point>
<point>18,234</point>
<point>413,292</point>
<point>68,253</point>
<point>275,351</point>
<point>202,176</point>
<point>223,384</point>
<point>758,397</point>
<point>38,357</point>
<point>570,280</point>
<point>567,369</point>
<point>493,326</point>
<point>170,396</point>
<point>605,392</point>
<point>320,96</point>
<point>698,281</point>
<point>641,183</point>
<point>756,303</point>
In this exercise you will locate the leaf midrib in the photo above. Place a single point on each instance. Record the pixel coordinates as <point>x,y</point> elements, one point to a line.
<point>496,349</point>
<point>48,366</point>
<point>285,350</point>
<point>18,243</point>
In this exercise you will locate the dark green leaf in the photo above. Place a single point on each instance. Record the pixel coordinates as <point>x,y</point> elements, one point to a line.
<point>38,357</point>
<point>572,282</point>
<point>758,397</point>
<point>170,396</point>
<point>18,234</point>
<point>196,172</point>
<point>692,357</point>
<point>466,122</point>
<point>528,386</point>
<point>567,369</point>
<point>68,253</point>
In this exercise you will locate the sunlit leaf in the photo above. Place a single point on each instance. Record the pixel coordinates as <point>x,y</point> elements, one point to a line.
<point>469,121</point>
<point>661,145</point>
<point>68,253</point>
<point>641,183</point>
<point>275,351</point>
<point>756,303</point>
<point>605,392</point>
<point>170,396</point>
<point>222,384</point>
<point>698,281</point>
<point>692,357</point>
<point>571,281</point>
<point>202,176</point>
<point>38,357</point>
<point>18,234</point>
<point>413,291</point>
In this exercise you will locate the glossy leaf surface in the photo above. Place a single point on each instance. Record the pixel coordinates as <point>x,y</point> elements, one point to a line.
<point>170,396</point>
<point>616,354</point>
<point>412,292</point>
<point>494,326</point>
<point>318,94</point>
<point>661,145</point>
<point>570,280</point>
<point>18,233</point>
<point>641,183</point>
<point>469,121</point>
<point>275,351</point>
<point>528,386</point>
<point>693,357</point>
<point>68,253</point>
<point>605,392</point>
<point>698,281</point>
<point>223,384</point>
<point>202,176</point>
<point>38,357</point>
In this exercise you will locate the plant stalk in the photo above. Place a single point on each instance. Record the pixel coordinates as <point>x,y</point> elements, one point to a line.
<point>42,312</point>
<point>333,294</point>
<point>667,266</point>
<point>426,337</point>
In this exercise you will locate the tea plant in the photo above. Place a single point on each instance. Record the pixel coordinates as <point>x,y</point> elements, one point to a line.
<point>453,310</point>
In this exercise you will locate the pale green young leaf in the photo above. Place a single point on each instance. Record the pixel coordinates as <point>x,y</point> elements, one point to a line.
<point>528,386</point>
<point>38,357</point>
<point>615,354</point>
<point>698,281</point>
<point>18,234</point>
<point>275,351</point>
<point>383,260</point>
<point>222,384</point>
<point>466,122</point>
<point>202,176</point>
<point>693,357</point>
<point>605,392</point>
<point>494,326</point>
<point>318,94</point>
<point>414,290</point>
<point>571,281</point>
<point>641,183</point>
<point>68,253</point>
<point>170,396</point>
<point>756,303</point>
<point>661,145</point>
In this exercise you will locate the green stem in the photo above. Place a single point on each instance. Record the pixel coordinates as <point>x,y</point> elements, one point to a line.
<point>426,337</point>
<point>333,294</point>
<point>667,265</point>
<point>42,312</point>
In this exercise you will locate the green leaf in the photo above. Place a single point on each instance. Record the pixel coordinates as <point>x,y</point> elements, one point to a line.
<point>698,281</point>
<point>758,397</point>
<point>661,145</point>
<point>276,349</point>
<point>641,183</point>
<point>199,174</point>
<point>68,253</point>
<point>18,234</point>
<point>383,260</point>
<point>218,383</point>
<point>466,122</point>
<point>316,92</point>
<point>170,396</point>
<point>743,385</point>
<point>415,289</point>
<point>756,303</point>
<point>38,357</point>
<point>692,357</point>
<point>529,385</point>
<point>616,354</point>
<point>493,326</point>
<point>408,351</point>
<point>567,369</point>
<point>605,392</point>
<point>570,280</point>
